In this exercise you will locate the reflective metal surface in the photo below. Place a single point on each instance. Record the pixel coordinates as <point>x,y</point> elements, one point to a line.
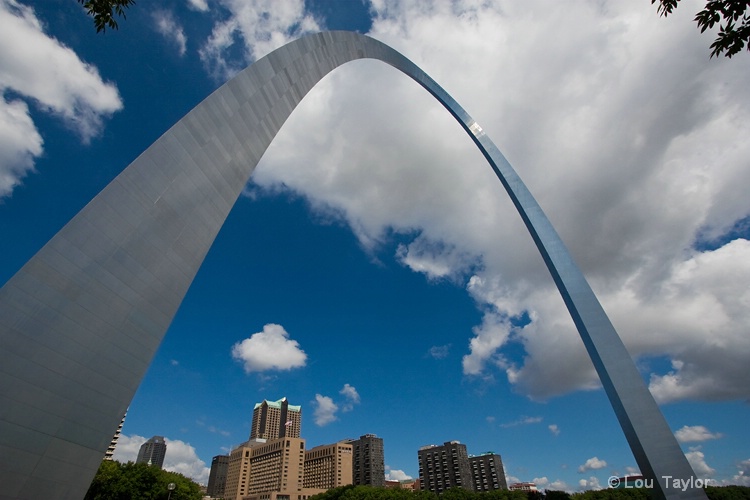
<point>81,321</point>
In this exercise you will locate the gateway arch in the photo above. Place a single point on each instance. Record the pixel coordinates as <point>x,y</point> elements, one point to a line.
<point>82,320</point>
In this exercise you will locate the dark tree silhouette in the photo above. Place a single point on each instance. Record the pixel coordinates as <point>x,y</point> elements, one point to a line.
<point>105,11</point>
<point>733,19</point>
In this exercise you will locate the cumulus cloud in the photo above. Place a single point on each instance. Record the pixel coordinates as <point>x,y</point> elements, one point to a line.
<point>591,483</point>
<point>742,477</point>
<point>325,410</point>
<point>169,28</point>
<point>554,429</point>
<point>540,482</point>
<point>40,69</point>
<point>271,349</point>
<point>545,484</point>
<point>592,463</point>
<point>351,396</point>
<point>698,462</point>
<point>695,433</point>
<point>127,447</point>
<point>635,173</point>
<point>181,457</point>
<point>396,474</point>
<point>257,27</point>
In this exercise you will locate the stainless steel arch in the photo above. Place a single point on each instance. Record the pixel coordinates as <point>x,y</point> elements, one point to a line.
<point>81,321</point>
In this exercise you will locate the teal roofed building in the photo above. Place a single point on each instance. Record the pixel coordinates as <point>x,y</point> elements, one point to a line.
<point>276,419</point>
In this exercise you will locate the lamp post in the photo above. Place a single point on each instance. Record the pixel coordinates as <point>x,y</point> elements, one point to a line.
<point>170,487</point>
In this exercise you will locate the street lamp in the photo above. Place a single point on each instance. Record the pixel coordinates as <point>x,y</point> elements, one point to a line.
<point>171,487</point>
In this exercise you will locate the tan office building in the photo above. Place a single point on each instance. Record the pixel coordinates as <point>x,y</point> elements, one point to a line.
<point>238,470</point>
<point>268,470</point>
<point>328,466</point>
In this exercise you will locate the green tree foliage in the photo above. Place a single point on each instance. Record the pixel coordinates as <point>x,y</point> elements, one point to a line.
<point>117,481</point>
<point>728,492</point>
<point>733,19</point>
<point>614,494</point>
<point>370,493</point>
<point>105,11</point>
<point>556,495</point>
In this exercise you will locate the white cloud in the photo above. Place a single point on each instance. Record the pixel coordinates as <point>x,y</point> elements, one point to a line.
<point>513,479</point>
<point>325,410</point>
<point>540,482</point>
<point>559,485</point>
<point>434,259</point>
<point>259,26</point>
<point>396,474</point>
<point>592,463</point>
<point>41,69</point>
<point>199,5</point>
<point>543,483</point>
<point>554,429</point>
<point>698,462</point>
<point>632,170</point>
<point>743,474</point>
<point>271,349</point>
<point>488,338</point>
<point>20,143</point>
<point>169,28</point>
<point>591,483</point>
<point>180,457</point>
<point>352,397</point>
<point>127,447</point>
<point>695,433</point>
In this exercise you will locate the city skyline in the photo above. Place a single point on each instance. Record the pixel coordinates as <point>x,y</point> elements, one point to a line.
<point>482,353</point>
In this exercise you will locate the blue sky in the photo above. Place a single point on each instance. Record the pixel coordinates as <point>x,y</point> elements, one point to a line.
<point>374,271</point>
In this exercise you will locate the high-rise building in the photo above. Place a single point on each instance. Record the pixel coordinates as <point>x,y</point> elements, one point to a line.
<point>238,471</point>
<point>217,478</point>
<point>276,419</point>
<point>152,452</point>
<point>368,461</point>
<point>277,466</point>
<point>444,467</point>
<point>487,472</point>
<point>268,470</point>
<point>113,444</point>
<point>328,466</point>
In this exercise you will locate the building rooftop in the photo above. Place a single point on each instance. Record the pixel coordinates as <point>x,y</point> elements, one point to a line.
<point>277,404</point>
